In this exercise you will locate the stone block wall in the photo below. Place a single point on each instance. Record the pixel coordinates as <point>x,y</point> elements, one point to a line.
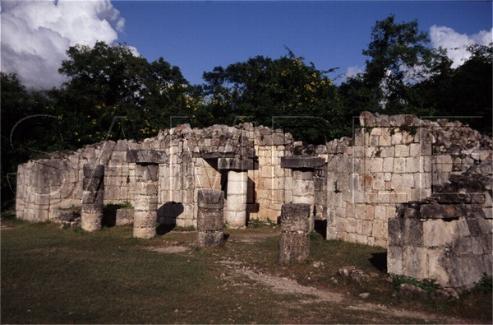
<point>45,185</point>
<point>392,160</point>
<point>272,184</point>
<point>446,237</point>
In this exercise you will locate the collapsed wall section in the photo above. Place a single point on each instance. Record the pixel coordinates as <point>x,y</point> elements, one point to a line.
<point>392,160</point>
<point>446,237</point>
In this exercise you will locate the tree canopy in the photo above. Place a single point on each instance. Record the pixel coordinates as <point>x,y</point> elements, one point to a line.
<point>282,93</point>
<point>116,94</point>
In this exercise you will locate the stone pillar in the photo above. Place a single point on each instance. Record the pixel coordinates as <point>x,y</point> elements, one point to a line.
<point>294,244</point>
<point>304,191</point>
<point>210,218</point>
<point>92,197</point>
<point>146,190</point>
<point>145,200</point>
<point>236,200</point>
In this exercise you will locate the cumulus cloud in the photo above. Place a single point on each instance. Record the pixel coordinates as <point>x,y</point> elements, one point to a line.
<point>456,43</point>
<point>353,71</point>
<point>36,35</point>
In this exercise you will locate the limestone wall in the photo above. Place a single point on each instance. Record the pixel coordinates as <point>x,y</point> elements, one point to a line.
<point>391,160</point>
<point>446,237</point>
<point>45,185</point>
<point>270,184</point>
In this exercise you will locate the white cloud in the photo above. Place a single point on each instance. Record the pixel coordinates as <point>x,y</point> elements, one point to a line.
<point>352,71</point>
<point>456,44</point>
<point>36,35</point>
<point>133,50</point>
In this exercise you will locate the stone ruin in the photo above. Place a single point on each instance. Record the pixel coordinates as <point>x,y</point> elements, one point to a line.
<point>210,218</point>
<point>445,237</point>
<point>421,188</point>
<point>92,197</point>
<point>294,244</point>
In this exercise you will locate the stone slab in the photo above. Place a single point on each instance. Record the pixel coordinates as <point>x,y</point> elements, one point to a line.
<point>302,162</point>
<point>147,156</point>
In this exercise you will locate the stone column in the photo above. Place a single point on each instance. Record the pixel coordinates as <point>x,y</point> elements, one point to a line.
<point>304,191</point>
<point>236,201</point>
<point>210,218</point>
<point>146,190</point>
<point>294,244</point>
<point>146,200</point>
<point>92,197</point>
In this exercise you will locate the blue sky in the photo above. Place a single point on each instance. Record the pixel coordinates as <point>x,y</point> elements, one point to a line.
<point>197,36</point>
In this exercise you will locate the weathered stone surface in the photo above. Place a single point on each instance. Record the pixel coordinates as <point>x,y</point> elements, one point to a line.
<point>238,164</point>
<point>294,244</point>
<point>304,191</point>
<point>216,155</point>
<point>67,217</point>
<point>210,218</point>
<point>302,162</point>
<point>451,248</point>
<point>147,156</point>
<point>124,216</point>
<point>145,200</point>
<point>236,201</point>
<point>92,197</point>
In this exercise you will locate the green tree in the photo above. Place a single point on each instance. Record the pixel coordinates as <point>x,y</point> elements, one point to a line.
<point>398,58</point>
<point>29,129</point>
<point>284,92</point>
<point>108,84</point>
<point>464,91</point>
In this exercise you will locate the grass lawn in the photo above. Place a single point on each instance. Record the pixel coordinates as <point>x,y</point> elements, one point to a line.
<point>50,275</point>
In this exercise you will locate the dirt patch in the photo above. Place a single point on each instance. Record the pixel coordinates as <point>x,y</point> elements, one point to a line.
<point>169,249</point>
<point>284,285</point>
<point>288,286</point>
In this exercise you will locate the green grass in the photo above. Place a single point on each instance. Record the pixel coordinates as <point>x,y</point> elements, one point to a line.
<point>54,276</point>
<point>65,276</point>
<point>429,286</point>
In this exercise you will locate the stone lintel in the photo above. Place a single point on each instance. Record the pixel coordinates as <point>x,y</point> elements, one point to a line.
<point>434,210</point>
<point>147,156</point>
<point>214,155</point>
<point>238,164</point>
<point>302,162</point>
